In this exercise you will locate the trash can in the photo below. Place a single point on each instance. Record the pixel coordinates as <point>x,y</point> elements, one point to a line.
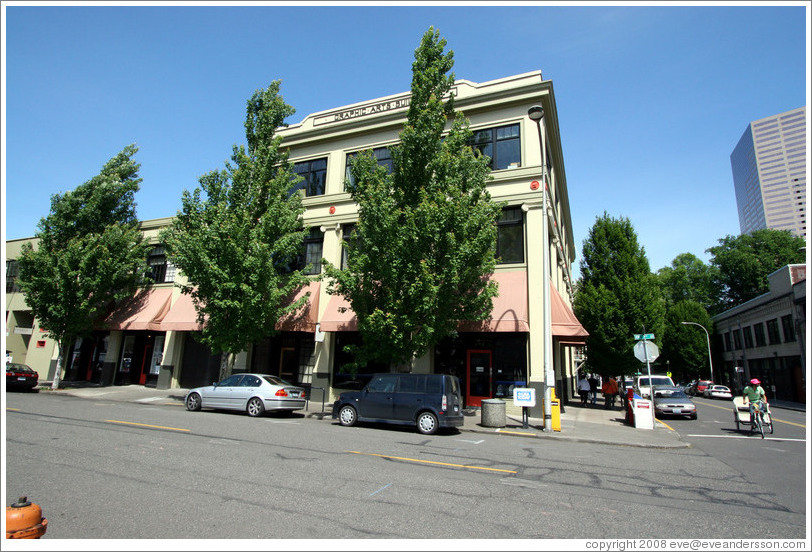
<point>493,413</point>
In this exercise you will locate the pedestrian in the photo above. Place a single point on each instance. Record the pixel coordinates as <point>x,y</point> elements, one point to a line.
<point>593,389</point>
<point>609,390</point>
<point>583,389</point>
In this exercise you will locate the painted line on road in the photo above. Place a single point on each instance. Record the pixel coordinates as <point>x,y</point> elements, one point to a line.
<point>665,424</point>
<point>746,437</point>
<point>517,433</point>
<point>774,418</point>
<point>13,409</point>
<point>379,490</point>
<point>429,462</point>
<point>147,425</point>
<point>150,399</point>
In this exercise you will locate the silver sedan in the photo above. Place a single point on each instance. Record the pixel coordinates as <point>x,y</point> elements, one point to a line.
<point>253,393</point>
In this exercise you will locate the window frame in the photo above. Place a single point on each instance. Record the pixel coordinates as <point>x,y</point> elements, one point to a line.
<point>307,183</point>
<point>501,228</point>
<point>494,142</point>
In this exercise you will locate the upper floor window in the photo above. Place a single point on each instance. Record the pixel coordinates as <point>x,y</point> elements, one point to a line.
<point>314,174</point>
<point>501,144</point>
<point>737,339</point>
<point>312,253</point>
<point>772,332</point>
<point>788,327</point>
<point>761,339</point>
<point>383,155</point>
<point>12,273</point>
<point>348,231</point>
<point>510,236</point>
<point>161,270</point>
<point>748,338</point>
<point>728,344</point>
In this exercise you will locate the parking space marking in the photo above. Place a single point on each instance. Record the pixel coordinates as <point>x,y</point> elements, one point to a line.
<point>382,488</point>
<point>516,433</point>
<point>748,437</point>
<point>146,425</point>
<point>430,462</point>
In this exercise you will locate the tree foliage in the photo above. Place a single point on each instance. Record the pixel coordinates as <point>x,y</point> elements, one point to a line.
<point>238,235</point>
<point>745,261</point>
<point>689,279</point>
<point>424,243</point>
<point>90,254</point>
<point>685,347</point>
<point>616,297</point>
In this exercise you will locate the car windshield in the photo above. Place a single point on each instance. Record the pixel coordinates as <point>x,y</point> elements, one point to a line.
<point>273,380</point>
<point>657,381</point>
<point>669,393</point>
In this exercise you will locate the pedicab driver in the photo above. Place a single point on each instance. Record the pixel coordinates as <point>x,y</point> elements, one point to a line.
<point>753,394</point>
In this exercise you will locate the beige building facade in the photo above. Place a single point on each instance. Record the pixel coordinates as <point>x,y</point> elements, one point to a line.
<point>154,343</point>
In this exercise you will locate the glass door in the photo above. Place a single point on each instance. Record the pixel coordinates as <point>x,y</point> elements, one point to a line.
<point>478,384</point>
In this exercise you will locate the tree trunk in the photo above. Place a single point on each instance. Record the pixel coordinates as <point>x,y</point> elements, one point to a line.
<point>58,372</point>
<point>226,365</point>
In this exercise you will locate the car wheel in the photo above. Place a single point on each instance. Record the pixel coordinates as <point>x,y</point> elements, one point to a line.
<point>255,407</point>
<point>427,423</point>
<point>692,417</point>
<point>193,402</point>
<point>347,416</point>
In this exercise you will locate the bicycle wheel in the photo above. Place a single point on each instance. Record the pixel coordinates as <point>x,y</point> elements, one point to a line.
<point>760,424</point>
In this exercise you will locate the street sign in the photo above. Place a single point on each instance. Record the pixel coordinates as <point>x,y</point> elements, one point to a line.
<point>640,337</point>
<point>646,351</point>
<point>524,396</point>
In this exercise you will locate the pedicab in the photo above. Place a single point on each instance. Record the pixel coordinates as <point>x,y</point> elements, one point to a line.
<point>741,415</point>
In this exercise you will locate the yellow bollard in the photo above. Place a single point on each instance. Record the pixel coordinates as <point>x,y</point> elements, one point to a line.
<point>555,412</point>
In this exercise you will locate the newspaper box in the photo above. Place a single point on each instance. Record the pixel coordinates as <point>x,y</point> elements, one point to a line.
<point>643,411</point>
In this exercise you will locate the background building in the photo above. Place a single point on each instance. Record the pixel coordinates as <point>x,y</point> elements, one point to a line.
<point>765,338</point>
<point>769,173</point>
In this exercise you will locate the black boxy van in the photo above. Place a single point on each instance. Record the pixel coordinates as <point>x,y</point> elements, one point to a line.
<point>428,401</point>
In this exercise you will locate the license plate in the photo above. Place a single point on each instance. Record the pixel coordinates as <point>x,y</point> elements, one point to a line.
<point>22,378</point>
<point>677,411</point>
<point>294,394</point>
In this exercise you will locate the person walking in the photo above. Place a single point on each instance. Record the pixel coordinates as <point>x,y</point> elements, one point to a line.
<point>583,389</point>
<point>609,391</point>
<point>593,389</point>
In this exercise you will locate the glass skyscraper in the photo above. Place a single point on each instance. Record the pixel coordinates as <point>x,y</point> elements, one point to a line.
<point>769,173</point>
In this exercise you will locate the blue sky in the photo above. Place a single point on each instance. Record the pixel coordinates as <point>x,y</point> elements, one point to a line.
<point>651,99</point>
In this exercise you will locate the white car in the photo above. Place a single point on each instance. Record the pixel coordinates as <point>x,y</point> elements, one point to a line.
<point>718,392</point>
<point>252,393</point>
<point>642,384</point>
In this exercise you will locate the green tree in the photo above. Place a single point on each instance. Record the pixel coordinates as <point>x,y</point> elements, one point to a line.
<point>616,297</point>
<point>237,245</point>
<point>745,261</point>
<point>89,256</point>
<point>425,239</point>
<point>689,279</point>
<point>685,347</point>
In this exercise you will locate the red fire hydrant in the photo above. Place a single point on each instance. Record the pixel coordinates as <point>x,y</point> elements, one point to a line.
<point>24,520</point>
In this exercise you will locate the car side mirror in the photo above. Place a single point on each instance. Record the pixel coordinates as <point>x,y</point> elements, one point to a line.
<point>214,384</point>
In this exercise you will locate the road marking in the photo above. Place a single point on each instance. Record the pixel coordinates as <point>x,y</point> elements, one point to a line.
<point>146,425</point>
<point>150,399</point>
<point>746,437</point>
<point>471,441</point>
<point>516,433</point>
<point>665,424</point>
<point>379,490</point>
<point>429,462</point>
<point>774,419</point>
<point>13,409</point>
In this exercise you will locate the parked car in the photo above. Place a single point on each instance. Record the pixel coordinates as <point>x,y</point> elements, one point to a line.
<point>718,392</point>
<point>642,384</point>
<point>700,386</point>
<point>427,401</point>
<point>672,401</point>
<point>253,393</point>
<point>20,376</point>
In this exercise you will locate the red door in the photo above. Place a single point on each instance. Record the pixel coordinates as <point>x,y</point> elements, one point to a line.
<point>145,363</point>
<point>478,383</point>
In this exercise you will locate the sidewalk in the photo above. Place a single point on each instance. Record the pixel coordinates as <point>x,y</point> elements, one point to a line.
<point>579,424</point>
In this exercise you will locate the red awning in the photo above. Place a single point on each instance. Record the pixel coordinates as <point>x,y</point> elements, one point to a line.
<point>182,316</point>
<point>509,312</point>
<point>335,321</point>
<point>566,327</point>
<point>303,320</point>
<point>145,311</point>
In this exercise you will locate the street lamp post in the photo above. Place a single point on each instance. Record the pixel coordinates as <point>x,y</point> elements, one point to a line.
<point>536,114</point>
<point>707,335</point>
